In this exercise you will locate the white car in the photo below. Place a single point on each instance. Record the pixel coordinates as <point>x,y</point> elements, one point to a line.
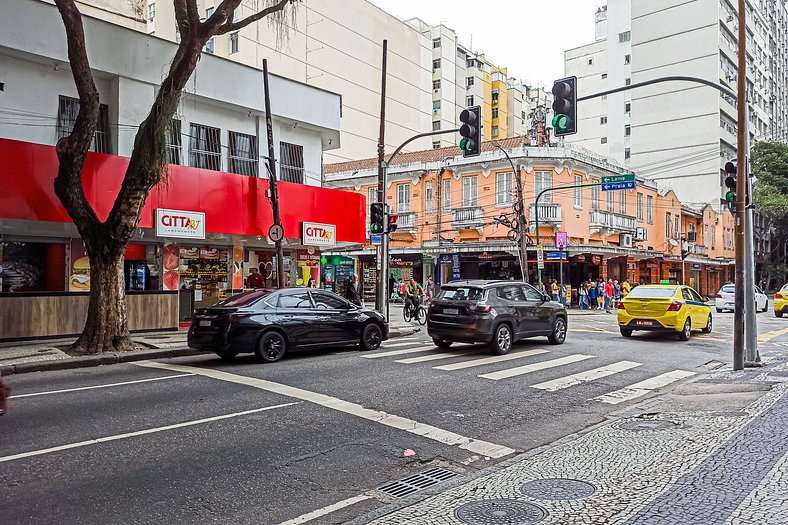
<point>725,299</point>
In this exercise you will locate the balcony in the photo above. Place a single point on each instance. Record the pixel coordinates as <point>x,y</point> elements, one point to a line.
<point>467,218</point>
<point>406,221</point>
<point>612,222</point>
<point>549,214</point>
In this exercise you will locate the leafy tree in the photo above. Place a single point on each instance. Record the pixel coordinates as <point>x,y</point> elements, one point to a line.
<point>106,328</point>
<point>769,162</point>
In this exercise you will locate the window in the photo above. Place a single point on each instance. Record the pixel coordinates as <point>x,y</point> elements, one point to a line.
<point>511,293</point>
<point>627,81</point>
<point>436,125</point>
<point>469,100</point>
<point>578,192</point>
<point>436,145</point>
<point>446,198</point>
<point>503,188</point>
<point>403,197</point>
<point>713,235</point>
<point>208,12</point>
<point>468,82</point>
<point>650,209</point>
<point>627,59</point>
<point>595,197</point>
<point>436,84</point>
<point>590,61</point>
<point>677,227</point>
<point>667,225</point>
<point>542,181</point>
<point>622,202</point>
<point>610,201</point>
<point>531,293</point>
<point>295,300</point>
<point>436,64</point>
<point>209,46</point>
<point>705,235</point>
<point>604,76</point>
<point>68,109</point>
<point>234,42</point>
<point>603,140</point>
<point>436,43</point>
<point>627,107</point>
<point>173,136</point>
<point>428,196</point>
<point>495,113</point>
<point>627,130</point>
<point>151,11</point>
<point>205,147</point>
<point>494,131</point>
<point>291,162</point>
<point>624,37</point>
<point>469,191</point>
<point>640,207</point>
<point>603,120</point>
<point>329,302</point>
<point>243,154</point>
<point>495,96</point>
<point>627,153</point>
<point>436,104</point>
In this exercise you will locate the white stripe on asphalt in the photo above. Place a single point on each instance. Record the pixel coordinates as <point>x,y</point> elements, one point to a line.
<point>395,345</point>
<point>98,386</point>
<point>586,376</point>
<point>327,510</point>
<point>401,352</point>
<point>489,360</point>
<point>520,370</point>
<point>107,439</point>
<point>376,416</point>
<point>643,387</point>
<point>442,355</point>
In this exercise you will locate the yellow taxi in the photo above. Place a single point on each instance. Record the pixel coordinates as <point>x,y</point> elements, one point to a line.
<point>781,302</point>
<point>664,307</point>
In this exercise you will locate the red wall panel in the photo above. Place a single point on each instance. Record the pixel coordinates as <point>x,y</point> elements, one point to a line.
<point>232,203</point>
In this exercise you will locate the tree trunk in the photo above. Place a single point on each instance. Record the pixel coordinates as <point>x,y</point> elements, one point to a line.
<point>106,327</point>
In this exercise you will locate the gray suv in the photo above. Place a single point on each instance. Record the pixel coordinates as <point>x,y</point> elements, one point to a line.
<point>494,312</point>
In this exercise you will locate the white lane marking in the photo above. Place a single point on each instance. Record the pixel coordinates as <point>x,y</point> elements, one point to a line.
<point>489,360</point>
<point>395,345</point>
<point>642,388</point>
<point>441,355</point>
<point>107,439</point>
<point>520,370</point>
<point>99,386</point>
<point>309,516</point>
<point>401,352</point>
<point>376,416</point>
<point>586,376</point>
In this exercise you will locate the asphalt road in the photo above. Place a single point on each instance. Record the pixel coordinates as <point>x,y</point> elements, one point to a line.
<point>198,440</point>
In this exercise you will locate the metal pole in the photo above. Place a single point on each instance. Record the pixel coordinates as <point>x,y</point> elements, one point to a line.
<point>741,189</point>
<point>384,245</point>
<point>751,357</point>
<point>280,259</point>
<point>381,281</point>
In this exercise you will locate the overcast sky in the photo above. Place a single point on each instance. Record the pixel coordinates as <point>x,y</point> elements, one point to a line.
<point>519,34</point>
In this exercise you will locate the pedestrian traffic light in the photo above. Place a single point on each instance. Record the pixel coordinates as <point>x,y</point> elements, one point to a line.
<point>376,217</point>
<point>730,183</point>
<point>565,106</point>
<point>684,253</point>
<point>471,131</point>
<point>392,227</point>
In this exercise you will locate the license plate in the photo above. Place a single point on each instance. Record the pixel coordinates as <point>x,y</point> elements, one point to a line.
<point>451,311</point>
<point>644,323</point>
<point>205,323</point>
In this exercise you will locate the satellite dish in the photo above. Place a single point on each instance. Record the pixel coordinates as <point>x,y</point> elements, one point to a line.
<point>673,242</point>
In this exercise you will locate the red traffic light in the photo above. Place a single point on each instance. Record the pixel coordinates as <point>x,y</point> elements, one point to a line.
<point>392,226</point>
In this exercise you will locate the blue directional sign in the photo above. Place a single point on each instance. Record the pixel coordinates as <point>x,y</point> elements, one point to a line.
<point>376,239</point>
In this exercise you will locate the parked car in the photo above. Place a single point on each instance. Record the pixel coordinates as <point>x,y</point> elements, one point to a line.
<point>498,313</point>
<point>270,323</point>
<point>725,299</point>
<point>670,308</point>
<point>781,302</point>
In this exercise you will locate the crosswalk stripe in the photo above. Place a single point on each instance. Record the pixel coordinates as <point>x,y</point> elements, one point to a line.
<point>520,370</point>
<point>643,387</point>
<point>586,376</point>
<point>442,355</point>
<point>401,352</point>
<point>489,360</point>
<point>395,345</point>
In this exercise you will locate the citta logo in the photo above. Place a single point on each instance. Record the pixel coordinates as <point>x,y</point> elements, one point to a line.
<point>320,233</point>
<point>316,234</point>
<point>180,221</point>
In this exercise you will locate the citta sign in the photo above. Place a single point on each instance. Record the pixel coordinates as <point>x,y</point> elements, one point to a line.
<point>316,234</point>
<point>180,224</point>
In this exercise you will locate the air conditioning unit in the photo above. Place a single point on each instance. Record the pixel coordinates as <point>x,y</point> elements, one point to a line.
<point>626,240</point>
<point>691,236</point>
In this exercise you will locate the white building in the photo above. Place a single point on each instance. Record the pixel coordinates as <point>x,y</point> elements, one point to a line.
<point>679,134</point>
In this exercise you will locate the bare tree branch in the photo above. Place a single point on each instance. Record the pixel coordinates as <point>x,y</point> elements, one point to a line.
<point>235,26</point>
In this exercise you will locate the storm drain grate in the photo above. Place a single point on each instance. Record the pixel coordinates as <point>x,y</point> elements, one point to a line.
<point>416,482</point>
<point>556,489</point>
<point>500,512</point>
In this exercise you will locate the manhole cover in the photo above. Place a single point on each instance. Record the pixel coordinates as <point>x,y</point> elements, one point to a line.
<point>416,482</point>
<point>500,512</point>
<point>557,489</point>
<point>648,425</point>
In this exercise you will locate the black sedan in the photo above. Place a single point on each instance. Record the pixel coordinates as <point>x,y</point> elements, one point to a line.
<point>270,323</point>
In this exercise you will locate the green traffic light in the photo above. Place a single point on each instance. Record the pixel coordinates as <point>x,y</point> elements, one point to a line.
<point>560,122</point>
<point>375,228</point>
<point>464,144</point>
<point>730,196</point>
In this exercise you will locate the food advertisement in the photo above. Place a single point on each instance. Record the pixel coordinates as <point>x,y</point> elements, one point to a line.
<point>79,280</point>
<point>171,262</point>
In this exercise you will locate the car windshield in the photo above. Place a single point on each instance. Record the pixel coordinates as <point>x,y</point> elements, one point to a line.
<point>729,288</point>
<point>464,293</point>
<point>244,299</point>
<point>643,292</point>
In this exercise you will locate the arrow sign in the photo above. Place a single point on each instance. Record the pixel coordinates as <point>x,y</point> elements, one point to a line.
<point>613,186</point>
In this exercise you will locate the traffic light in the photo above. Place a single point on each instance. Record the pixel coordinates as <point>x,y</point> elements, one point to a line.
<point>471,131</point>
<point>376,217</point>
<point>684,253</point>
<point>730,183</point>
<point>392,227</point>
<point>565,106</point>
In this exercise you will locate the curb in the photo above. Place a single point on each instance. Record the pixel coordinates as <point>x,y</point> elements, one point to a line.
<point>95,360</point>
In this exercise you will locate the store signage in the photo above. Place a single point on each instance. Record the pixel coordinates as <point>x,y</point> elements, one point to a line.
<point>455,267</point>
<point>180,224</point>
<point>555,256</point>
<point>485,256</point>
<point>596,259</point>
<point>652,265</point>
<point>305,258</point>
<point>695,266</point>
<point>581,258</point>
<point>316,234</point>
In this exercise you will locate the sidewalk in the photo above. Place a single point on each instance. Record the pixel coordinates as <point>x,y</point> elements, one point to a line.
<point>713,451</point>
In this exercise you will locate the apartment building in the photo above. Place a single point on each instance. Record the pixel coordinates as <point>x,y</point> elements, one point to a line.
<point>677,134</point>
<point>453,212</point>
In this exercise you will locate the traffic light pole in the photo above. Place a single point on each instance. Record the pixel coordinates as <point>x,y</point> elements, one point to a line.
<point>381,173</point>
<point>741,194</point>
<point>751,355</point>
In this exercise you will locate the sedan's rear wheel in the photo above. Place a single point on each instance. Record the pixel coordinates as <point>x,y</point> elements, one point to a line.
<point>502,340</point>
<point>271,348</point>
<point>626,332</point>
<point>441,343</point>
<point>719,310</point>
<point>559,332</point>
<point>371,337</point>
<point>707,329</point>
<point>686,332</point>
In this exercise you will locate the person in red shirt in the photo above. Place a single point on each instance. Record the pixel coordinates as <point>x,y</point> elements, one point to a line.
<point>254,280</point>
<point>609,291</point>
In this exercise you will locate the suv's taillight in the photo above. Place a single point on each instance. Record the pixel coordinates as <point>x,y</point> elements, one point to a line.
<point>482,309</point>
<point>675,306</point>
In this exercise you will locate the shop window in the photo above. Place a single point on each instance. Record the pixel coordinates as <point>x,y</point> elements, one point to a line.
<point>68,109</point>
<point>291,168</point>
<point>173,136</point>
<point>36,266</point>
<point>243,154</point>
<point>205,147</point>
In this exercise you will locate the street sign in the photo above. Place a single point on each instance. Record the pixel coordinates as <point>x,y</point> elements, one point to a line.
<point>561,240</point>
<point>276,233</point>
<point>555,256</point>
<point>540,257</point>
<point>625,181</point>
<point>376,238</point>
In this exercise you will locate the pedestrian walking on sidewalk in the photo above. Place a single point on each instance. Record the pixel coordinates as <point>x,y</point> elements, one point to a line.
<point>610,290</point>
<point>354,292</point>
<point>583,293</point>
<point>600,294</point>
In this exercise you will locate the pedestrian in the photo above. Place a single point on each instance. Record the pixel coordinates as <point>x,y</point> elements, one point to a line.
<point>592,304</point>
<point>610,290</point>
<point>354,291</point>
<point>625,288</point>
<point>762,284</point>
<point>254,279</point>
<point>554,290</point>
<point>429,287</point>
<point>600,294</point>
<point>583,292</point>
<point>310,283</point>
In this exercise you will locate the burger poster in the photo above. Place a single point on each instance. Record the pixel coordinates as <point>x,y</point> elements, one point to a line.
<point>171,261</point>
<point>80,268</point>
